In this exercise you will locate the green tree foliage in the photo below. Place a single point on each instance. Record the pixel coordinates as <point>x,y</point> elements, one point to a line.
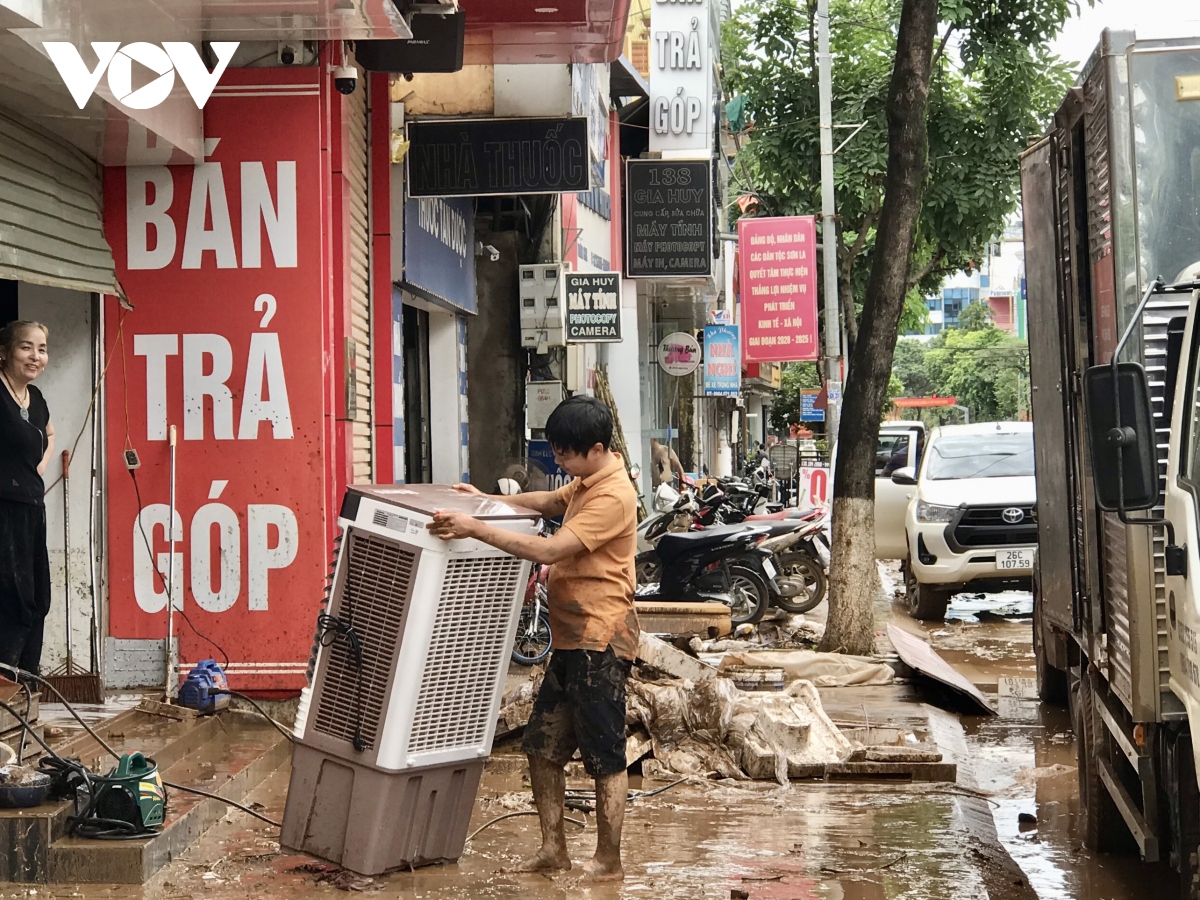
<point>986,368</point>
<point>795,378</point>
<point>976,317</point>
<point>994,86</point>
<point>804,376</point>
<point>908,365</point>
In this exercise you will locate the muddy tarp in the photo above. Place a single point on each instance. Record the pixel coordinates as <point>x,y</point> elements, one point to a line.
<point>822,669</point>
<point>713,727</point>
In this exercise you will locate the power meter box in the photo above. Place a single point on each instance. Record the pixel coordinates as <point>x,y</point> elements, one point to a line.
<point>543,308</point>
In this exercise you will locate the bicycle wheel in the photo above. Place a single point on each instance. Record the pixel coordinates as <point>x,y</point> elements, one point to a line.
<point>533,641</point>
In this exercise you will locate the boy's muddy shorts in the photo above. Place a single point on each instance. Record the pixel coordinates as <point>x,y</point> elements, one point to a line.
<point>581,705</point>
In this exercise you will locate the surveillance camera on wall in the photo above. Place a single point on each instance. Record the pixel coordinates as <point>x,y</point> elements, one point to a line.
<point>289,53</point>
<point>345,79</point>
<point>491,252</point>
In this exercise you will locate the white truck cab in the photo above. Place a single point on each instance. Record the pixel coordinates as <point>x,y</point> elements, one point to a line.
<point>971,519</point>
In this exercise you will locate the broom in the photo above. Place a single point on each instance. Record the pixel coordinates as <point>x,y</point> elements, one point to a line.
<point>75,683</point>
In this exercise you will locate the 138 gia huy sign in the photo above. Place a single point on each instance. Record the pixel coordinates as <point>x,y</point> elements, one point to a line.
<point>777,277</point>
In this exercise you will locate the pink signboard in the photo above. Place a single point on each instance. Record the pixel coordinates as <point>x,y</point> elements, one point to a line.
<point>777,278</point>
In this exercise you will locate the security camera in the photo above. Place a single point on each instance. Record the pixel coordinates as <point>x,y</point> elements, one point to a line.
<point>345,79</point>
<point>288,53</point>
<point>492,253</point>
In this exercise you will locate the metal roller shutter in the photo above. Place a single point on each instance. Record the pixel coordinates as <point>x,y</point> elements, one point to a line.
<point>362,454</point>
<point>51,212</point>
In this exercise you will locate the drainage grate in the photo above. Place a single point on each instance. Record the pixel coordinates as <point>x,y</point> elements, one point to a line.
<point>375,596</point>
<point>466,653</point>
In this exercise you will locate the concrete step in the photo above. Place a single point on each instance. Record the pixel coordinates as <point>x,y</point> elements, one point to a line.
<point>227,754</point>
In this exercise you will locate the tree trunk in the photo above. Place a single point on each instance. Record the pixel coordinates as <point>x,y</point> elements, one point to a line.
<point>851,627</point>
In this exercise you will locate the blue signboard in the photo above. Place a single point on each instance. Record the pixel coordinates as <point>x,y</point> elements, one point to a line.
<point>542,452</point>
<point>722,361</point>
<point>808,410</point>
<point>439,251</point>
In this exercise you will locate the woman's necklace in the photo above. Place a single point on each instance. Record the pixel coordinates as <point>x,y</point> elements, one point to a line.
<point>22,404</point>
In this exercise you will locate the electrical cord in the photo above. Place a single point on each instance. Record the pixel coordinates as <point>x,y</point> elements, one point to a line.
<point>162,580</point>
<point>21,673</point>
<point>262,712</point>
<point>87,776</point>
<point>71,775</point>
<point>524,812</point>
<point>331,629</point>
<point>226,800</point>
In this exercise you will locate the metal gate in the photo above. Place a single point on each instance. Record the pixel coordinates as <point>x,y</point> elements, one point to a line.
<point>51,212</point>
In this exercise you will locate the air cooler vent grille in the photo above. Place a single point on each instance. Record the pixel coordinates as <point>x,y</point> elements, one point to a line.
<point>374,599</point>
<point>465,655</point>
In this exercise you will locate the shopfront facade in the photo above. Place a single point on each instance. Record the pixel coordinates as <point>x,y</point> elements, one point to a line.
<point>227,295</point>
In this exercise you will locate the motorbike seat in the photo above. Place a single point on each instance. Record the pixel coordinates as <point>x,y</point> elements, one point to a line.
<point>785,514</point>
<point>673,546</point>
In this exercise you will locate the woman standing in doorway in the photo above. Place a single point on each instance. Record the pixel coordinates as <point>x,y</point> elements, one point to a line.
<point>26,445</point>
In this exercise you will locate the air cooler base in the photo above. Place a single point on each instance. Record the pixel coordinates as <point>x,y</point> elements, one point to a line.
<point>371,822</point>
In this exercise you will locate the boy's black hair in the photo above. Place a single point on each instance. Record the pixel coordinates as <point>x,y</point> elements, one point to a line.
<point>578,424</point>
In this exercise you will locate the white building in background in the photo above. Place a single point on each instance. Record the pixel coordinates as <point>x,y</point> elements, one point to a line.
<point>999,282</point>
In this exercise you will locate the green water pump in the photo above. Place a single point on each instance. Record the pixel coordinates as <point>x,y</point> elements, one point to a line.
<point>132,792</point>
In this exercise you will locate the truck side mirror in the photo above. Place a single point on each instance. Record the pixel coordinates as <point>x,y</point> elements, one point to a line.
<point>1137,477</point>
<point>907,475</point>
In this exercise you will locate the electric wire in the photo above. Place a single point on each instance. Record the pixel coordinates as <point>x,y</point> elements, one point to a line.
<point>226,800</point>
<point>87,775</point>
<point>91,410</point>
<point>524,812</point>
<point>162,579</point>
<point>21,673</point>
<point>262,712</point>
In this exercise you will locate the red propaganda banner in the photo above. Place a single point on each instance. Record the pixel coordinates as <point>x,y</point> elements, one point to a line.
<point>923,402</point>
<point>777,278</point>
<point>222,262</point>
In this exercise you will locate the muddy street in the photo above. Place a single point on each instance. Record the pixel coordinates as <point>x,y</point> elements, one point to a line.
<point>1007,829</point>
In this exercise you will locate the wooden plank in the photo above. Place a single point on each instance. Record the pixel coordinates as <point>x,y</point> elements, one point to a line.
<point>8,722</point>
<point>877,771</point>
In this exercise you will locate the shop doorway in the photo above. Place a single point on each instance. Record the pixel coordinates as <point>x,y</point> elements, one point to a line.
<point>68,386</point>
<point>417,438</point>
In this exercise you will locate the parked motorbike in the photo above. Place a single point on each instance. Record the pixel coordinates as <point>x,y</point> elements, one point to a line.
<point>801,558</point>
<point>725,565</point>
<point>796,537</point>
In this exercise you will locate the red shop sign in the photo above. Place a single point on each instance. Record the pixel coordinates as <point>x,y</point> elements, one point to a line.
<point>222,262</point>
<point>777,277</point>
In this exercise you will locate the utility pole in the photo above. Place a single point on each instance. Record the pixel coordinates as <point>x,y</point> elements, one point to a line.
<point>833,326</point>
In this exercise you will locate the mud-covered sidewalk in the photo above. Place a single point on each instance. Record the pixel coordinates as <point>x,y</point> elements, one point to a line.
<point>1005,830</point>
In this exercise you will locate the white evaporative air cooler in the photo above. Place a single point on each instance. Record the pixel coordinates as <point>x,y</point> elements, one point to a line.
<point>405,681</point>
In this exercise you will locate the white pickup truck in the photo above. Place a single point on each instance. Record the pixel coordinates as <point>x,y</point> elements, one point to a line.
<point>970,522</point>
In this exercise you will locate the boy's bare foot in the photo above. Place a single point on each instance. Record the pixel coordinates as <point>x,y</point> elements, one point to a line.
<point>543,862</point>
<point>603,872</point>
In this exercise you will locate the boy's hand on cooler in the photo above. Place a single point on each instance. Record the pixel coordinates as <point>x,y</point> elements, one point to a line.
<point>451,525</point>
<point>468,489</point>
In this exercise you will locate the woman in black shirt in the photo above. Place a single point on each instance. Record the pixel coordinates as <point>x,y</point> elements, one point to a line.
<point>26,445</point>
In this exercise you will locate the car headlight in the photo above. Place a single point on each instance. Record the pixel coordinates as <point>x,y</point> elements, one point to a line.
<point>930,512</point>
